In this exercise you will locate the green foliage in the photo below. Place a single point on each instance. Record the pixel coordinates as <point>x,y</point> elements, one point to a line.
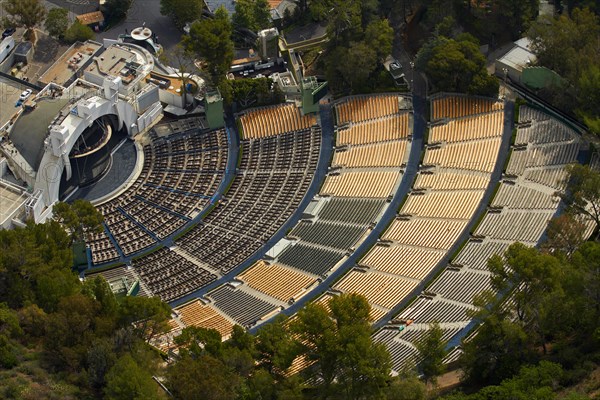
<point>78,32</point>
<point>210,40</point>
<point>583,192</point>
<point>252,14</point>
<point>150,315</point>
<point>456,65</point>
<point>204,377</point>
<point>127,380</point>
<point>182,11</point>
<point>57,22</point>
<point>26,13</point>
<point>568,46</point>
<point>250,92</point>
<point>79,218</point>
<point>432,350</point>
<point>116,10</point>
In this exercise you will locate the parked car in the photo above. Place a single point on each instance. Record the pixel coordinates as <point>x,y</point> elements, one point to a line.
<point>25,95</point>
<point>8,32</point>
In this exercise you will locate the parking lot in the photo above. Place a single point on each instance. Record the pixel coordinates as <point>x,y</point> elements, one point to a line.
<point>9,95</point>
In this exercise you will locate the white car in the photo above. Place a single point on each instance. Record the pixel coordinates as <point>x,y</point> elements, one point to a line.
<point>25,95</point>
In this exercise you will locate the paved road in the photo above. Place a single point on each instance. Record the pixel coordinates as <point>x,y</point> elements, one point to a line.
<point>147,11</point>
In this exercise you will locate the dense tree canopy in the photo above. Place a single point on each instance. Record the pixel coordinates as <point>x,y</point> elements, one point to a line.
<point>57,22</point>
<point>182,11</point>
<point>210,40</point>
<point>26,13</point>
<point>456,65</point>
<point>252,14</point>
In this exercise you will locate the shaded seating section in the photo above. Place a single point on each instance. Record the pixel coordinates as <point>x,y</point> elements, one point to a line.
<point>263,195</point>
<point>309,258</point>
<point>244,308</point>
<point>170,276</point>
<point>382,129</point>
<point>351,211</point>
<point>269,121</point>
<point>522,207</point>
<point>102,248</point>
<point>277,281</point>
<point>204,316</point>
<point>181,170</point>
<point>460,155</point>
<point>456,106</point>
<point>331,234</point>
<point>120,278</point>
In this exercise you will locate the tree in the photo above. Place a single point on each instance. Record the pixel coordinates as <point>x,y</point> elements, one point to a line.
<point>126,380</point>
<point>202,378</point>
<point>252,14</point>
<point>340,342</point>
<point>210,40</point>
<point>379,35</point>
<point>456,65</point>
<point>181,11</point>
<point>516,15</point>
<point>182,60</point>
<point>25,13</point>
<point>149,315</point>
<point>57,22</point>
<point>564,233</point>
<point>582,195</point>
<point>79,218</point>
<point>116,10</point>
<point>432,350</point>
<point>78,32</point>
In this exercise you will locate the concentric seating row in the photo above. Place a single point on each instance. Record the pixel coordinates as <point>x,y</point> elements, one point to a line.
<point>276,280</point>
<point>456,106</point>
<point>201,315</point>
<point>178,176</point>
<point>269,121</point>
<point>393,127</point>
<point>521,210</point>
<point>449,188</point>
<point>468,128</point>
<point>169,275</point>
<point>387,154</point>
<point>363,108</point>
<point>376,184</point>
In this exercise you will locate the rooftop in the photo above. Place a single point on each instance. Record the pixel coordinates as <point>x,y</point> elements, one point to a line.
<point>31,128</point>
<point>11,200</point>
<point>91,18</point>
<point>118,60</point>
<point>70,62</point>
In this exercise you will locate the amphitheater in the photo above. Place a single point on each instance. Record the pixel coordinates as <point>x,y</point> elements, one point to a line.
<point>237,225</point>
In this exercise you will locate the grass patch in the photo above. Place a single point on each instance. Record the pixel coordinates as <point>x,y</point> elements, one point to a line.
<point>478,222</point>
<point>513,137</point>
<point>506,162</point>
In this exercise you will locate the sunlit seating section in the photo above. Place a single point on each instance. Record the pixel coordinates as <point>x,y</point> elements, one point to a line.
<point>444,204</point>
<point>270,121</point>
<point>393,127</point>
<point>277,281</point>
<point>364,108</point>
<point>361,184</point>
<point>456,106</point>
<point>473,155</point>
<point>169,275</point>
<point>381,289</point>
<point>444,180</point>
<point>388,154</point>
<point>244,308</point>
<point>468,128</point>
<point>425,232</point>
<point>411,262</point>
<point>204,316</point>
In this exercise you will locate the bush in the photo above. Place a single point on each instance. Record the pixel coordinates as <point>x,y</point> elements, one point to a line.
<point>78,32</point>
